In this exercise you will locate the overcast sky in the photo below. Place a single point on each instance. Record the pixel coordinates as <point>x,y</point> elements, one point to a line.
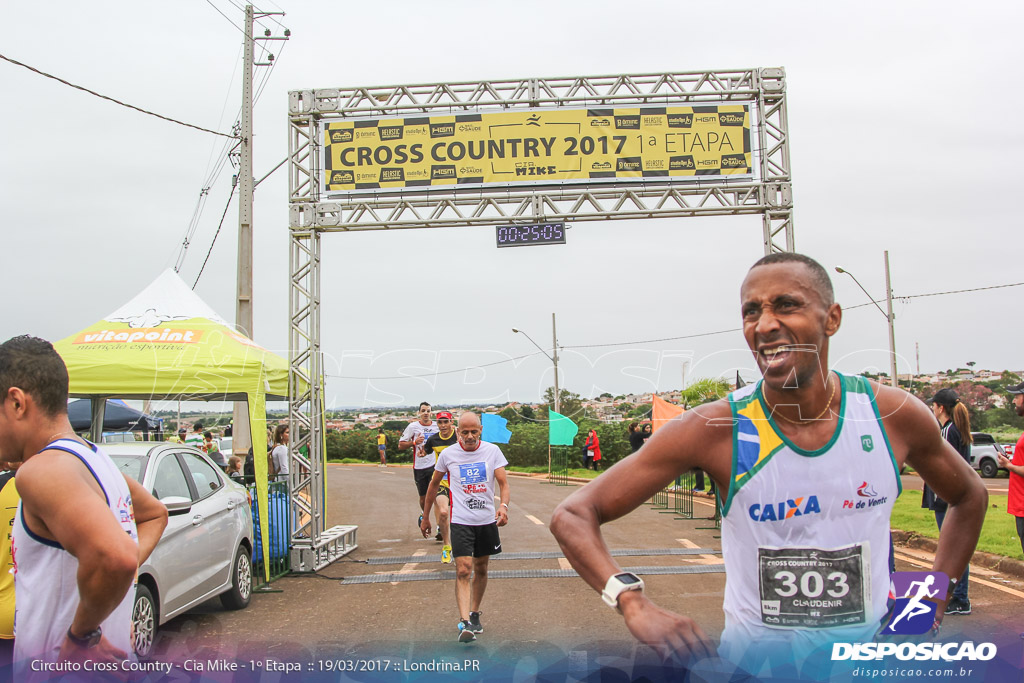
<point>902,139</point>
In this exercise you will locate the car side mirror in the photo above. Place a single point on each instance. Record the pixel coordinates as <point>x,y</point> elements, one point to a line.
<point>177,505</point>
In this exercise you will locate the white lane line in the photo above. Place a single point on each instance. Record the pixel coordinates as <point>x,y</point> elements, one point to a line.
<point>703,559</point>
<point>410,567</point>
<point>974,579</point>
<point>534,520</point>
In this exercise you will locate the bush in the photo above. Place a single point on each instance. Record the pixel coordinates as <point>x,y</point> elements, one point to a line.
<point>362,446</point>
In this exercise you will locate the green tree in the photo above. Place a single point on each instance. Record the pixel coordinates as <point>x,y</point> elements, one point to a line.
<point>510,414</point>
<point>704,390</point>
<point>569,404</point>
<point>642,410</point>
<point>526,411</point>
<point>394,425</point>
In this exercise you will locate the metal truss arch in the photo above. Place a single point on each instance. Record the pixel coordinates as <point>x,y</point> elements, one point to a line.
<point>767,193</point>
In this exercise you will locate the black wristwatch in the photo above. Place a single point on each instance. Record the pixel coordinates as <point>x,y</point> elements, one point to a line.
<point>89,640</point>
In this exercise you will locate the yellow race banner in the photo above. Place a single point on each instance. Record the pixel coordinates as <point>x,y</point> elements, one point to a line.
<point>540,146</point>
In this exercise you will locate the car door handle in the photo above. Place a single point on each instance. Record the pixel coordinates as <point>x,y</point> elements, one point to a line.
<point>232,503</point>
<point>197,520</point>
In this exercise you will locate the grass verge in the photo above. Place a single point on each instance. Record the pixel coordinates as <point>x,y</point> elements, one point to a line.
<point>998,533</point>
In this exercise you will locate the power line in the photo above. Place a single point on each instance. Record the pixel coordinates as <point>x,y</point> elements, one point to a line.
<point>110,99</point>
<point>219,226</point>
<point>435,374</point>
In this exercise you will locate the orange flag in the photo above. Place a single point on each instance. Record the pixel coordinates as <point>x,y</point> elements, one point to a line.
<point>662,411</point>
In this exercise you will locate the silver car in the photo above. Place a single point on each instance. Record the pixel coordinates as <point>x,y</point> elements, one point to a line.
<point>206,549</point>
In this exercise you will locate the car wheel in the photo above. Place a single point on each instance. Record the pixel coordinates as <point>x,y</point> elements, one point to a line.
<point>237,597</point>
<point>144,622</point>
<point>988,468</point>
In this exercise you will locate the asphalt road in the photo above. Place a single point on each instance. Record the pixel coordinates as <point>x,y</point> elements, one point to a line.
<point>529,622</point>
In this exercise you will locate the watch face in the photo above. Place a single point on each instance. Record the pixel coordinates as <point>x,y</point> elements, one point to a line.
<point>628,579</point>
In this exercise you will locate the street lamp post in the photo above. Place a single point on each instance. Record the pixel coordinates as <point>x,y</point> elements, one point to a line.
<point>888,316</point>
<point>554,360</point>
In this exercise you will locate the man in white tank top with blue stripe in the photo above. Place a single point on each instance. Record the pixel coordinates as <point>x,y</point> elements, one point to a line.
<point>808,463</point>
<point>80,532</point>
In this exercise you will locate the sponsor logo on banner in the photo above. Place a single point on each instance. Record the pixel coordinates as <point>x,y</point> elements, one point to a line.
<point>680,120</point>
<point>387,133</point>
<point>345,135</point>
<point>627,122</point>
<point>683,163</point>
<point>442,130</point>
<point>342,178</point>
<point>916,596</point>
<point>653,121</point>
<point>734,161</point>
<point>144,335</point>
<point>600,122</point>
<point>787,509</point>
<point>392,175</point>
<point>601,166</point>
<point>628,164</point>
<point>442,172</point>
<point>730,118</point>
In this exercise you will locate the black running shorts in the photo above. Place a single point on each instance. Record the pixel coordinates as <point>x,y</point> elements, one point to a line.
<point>475,541</point>
<point>423,477</point>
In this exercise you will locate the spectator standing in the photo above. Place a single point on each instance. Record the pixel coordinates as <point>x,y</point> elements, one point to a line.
<point>280,452</point>
<point>212,449</point>
<point>180,438</point>
<point>1015,499</point>
<point>8,507</point>
<point>955,424</point>
<point>636,437</point>
<point>235,469</point>
<point>382,445</point>
<point>593,448</point>
<point>195,437</point>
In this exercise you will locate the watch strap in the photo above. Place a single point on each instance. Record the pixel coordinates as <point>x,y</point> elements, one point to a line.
<point>89,640</point>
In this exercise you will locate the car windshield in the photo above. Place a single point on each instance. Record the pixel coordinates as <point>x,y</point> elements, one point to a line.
<point>133,466</point>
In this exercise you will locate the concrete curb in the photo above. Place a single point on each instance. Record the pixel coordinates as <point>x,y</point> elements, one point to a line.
<point>999,563</point>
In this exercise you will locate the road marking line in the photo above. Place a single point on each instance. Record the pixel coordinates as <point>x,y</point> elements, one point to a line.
<point>564,563</point>
<point>990,584</point>
<point>534,520</point>
<point>410,567</point>
<point>703,559</point>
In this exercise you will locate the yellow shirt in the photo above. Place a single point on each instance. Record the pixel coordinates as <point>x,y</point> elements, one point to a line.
<point>381,439</point>
<point>8,507</point>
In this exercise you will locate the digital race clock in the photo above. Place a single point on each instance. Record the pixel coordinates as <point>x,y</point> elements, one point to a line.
<point>525,235</point>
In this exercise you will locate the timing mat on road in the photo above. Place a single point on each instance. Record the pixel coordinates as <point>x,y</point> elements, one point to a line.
<point>524,573</point>
<point>550,555</point>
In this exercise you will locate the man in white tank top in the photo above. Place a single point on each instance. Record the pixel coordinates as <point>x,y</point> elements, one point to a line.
<point>808,463</point>
<point>82,528</point>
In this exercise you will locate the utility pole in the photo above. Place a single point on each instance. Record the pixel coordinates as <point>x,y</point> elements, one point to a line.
<point>892,332</point>
<point>554,359</point>
<point>240,431</point>
<point>243,306</point>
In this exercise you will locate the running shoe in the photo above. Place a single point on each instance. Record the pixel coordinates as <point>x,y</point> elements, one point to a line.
<point>439,537</point>
<point>958,606</point>
<point>446,557</point>
<point>466,634</point>
<point>474,622</point>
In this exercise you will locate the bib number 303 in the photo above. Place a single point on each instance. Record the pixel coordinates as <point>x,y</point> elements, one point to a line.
<point>813,587</point>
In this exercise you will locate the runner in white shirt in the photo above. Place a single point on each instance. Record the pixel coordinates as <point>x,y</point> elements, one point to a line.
<point>81,530</point>
<point>415,435</point>
<point>473,467</point>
